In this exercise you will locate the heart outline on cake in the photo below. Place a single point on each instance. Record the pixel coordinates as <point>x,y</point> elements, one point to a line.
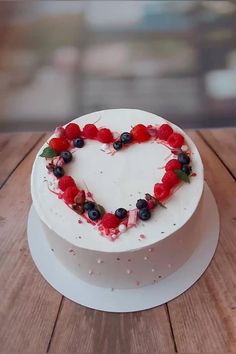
<point>66,136</point>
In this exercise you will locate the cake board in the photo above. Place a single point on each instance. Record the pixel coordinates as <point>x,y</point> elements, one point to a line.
<point>127,300</point>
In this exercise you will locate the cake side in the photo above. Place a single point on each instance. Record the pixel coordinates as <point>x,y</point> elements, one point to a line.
<point>129,269</point>
<point>118,189</point>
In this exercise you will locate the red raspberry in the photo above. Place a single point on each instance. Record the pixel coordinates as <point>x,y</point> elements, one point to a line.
<point>140,133</point>
<point>173,165</point>
<point>90,131</point>
<point>105,136</point>
<point>65,182</point>
<point>164,131</point>
<point>110,221</point>
<point>170,179</point>
<point>59,144</point>
<point>175,140</point>
<point>69,194</point>
<point>72,131</point>
<point>161,191</point>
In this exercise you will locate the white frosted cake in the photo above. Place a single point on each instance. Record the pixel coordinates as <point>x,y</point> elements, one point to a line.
<point>118,193</point>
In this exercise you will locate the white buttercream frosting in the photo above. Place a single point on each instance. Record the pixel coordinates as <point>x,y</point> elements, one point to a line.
<point>118,181</point>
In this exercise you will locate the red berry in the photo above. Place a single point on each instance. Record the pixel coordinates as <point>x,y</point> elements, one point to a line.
<point>161,191</point>
<point>170,179</point>
<point>173,165</point>
<point>164,131</point>
<point>70,194</point>
<point>175,140</point>
<point>151,204</point>
<point>72,131</point>
<point>65,182</point>
<point>105,136</point>
<point>140,133</point>
<point>59,144</point>
<point>90,131</point>
<point>110,221</point>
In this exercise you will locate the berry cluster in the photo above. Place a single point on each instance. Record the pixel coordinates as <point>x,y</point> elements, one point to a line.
<point>176,169</point>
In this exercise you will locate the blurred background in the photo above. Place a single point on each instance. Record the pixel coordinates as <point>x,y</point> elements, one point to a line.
<point>62,59</point>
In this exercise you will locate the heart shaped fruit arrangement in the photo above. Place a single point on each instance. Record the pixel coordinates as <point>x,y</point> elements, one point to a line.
<point>59,152</point>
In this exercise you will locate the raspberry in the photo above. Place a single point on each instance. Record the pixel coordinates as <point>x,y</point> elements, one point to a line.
<point>173,165</point>
<point>170,179</point>
<point>105,136</point>
<point>175,140</point>
<point>72,131</point>
<point>110,221</point>
<point>140,133</point>
<point>90,131</point>
<point>59,132</point>
<point>164,131</point>
<point>59,144</point>
<point>70,194</point>
<point>65,182</point>
<point>160,191</point>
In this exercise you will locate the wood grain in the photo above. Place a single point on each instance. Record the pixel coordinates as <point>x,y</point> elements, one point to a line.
<point>204,318</point>
<point>35,318</point>
<point>28,306</point>
<point>223,142</point>
<point>13,149</point>
<point>81,330</point>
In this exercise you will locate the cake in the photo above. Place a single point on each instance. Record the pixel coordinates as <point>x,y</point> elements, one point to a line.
<point>118,193</point>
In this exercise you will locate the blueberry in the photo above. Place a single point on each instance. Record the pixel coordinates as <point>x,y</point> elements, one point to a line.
<point>78,142</point>
<point>89,206</point>
<point>141,203</point>
<point>94,214</point>
<point>121,213</point>
<point>58,171</point>
<point>66,155</point>
<point>144,214</point>
<point>186,169</point>
<point>183,158</point>
<point>117,145</point>
<point>126,138</point>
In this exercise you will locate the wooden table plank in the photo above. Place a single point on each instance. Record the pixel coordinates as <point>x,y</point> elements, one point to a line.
<point>13,148</point>
<point>28,306</point>
<point>82,330</point>
<point>223,142</point>
<point>204,318</point>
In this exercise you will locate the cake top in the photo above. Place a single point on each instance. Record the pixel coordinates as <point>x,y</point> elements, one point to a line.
<point>129,177</point>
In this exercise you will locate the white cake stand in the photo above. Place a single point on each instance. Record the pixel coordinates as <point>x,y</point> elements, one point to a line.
<point>126,300</point>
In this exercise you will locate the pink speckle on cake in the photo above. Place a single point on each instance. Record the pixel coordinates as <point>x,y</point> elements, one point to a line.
<point>80,221</point>
<point>142,236</point>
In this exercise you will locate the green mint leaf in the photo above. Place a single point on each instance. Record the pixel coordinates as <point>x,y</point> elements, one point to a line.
<point>101,209</point>
<point>182,175</point>
<point>48,152</point>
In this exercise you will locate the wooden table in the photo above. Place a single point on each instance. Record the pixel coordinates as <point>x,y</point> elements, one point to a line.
<point>36,318</point>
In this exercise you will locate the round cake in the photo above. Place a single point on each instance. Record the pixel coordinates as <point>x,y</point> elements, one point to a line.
<point>118,193</point>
